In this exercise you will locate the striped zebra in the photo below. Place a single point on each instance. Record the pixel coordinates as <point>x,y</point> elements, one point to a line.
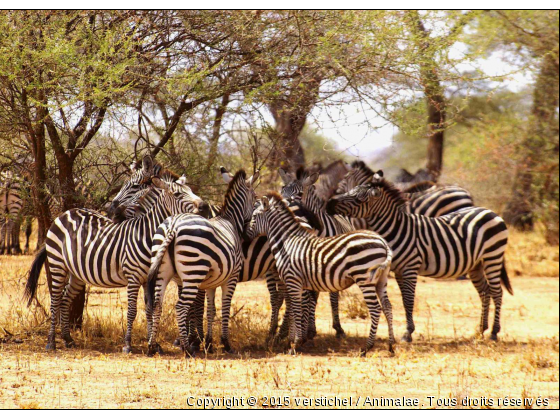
<point>308,262</point>
<point>470,240</point>
<point>84,247</point>
<point>258,262</point>
<point>204,254</point>
<point>293,190</point>
<point>11,214</point>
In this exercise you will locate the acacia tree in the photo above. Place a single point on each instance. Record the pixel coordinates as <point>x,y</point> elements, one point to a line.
<point>531,38</point>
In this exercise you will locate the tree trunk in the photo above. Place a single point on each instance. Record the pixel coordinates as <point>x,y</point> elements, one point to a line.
<point>435,99</point>
<point>289,115</point>
<point>542,129</point>
<point>288,151</point>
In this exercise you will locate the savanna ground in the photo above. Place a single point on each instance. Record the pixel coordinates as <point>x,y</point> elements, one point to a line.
<point>447,360</point>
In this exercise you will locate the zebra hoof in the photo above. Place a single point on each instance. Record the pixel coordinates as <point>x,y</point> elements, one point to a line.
<point>70,344</point>
<point>190,353</point>
<point>51,347</point>
<point>407,338</point>
<point>494,337</point>
<point>177,342</point>
<point>127,349</point>
<point>209,348</point>
<point>363,352</point>
<point>391,348</point>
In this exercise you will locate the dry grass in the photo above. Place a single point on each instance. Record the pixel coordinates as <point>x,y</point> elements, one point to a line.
<point>446,360</point>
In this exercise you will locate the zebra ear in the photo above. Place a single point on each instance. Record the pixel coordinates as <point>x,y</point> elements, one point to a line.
<point>265,203</point>
<point>378,175</point>
<point>158,183</point>
<point>311,179</point>
<point>182,180</point>
<point>226,175</point>
<point>348,166</point>
<point>252,181</point>
<point>147,164</point>
<point>133,166</point>
<point>286,179</point>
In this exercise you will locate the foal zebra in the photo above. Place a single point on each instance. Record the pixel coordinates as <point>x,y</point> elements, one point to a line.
<point>293,190</point>
<point>83,246</point>
<point>205,254</point>
<point>471,240</point>
<point>306,261</point>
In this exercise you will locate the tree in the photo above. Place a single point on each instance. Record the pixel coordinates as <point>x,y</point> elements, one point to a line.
<point>531,38</point>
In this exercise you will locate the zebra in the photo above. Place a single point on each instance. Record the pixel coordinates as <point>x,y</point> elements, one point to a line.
<point>85,247</point>
<point>471,240</point>
<point>11,214</point>
<point>293,190</point>
<point>306,261</point>
<point>205,254</point>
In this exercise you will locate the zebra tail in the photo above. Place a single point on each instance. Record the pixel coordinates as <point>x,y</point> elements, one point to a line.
<point>378,270</point>
<point>156,262</point>
<point>34,273</point>
<point>505,279</point>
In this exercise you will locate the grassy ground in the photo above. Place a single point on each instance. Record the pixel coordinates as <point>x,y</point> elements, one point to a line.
<point>446,360</point>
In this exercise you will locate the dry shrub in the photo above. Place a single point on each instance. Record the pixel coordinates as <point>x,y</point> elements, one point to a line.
<point>354,305</point>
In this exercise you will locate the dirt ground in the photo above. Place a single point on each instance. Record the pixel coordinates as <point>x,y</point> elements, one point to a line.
<point>446,363</point>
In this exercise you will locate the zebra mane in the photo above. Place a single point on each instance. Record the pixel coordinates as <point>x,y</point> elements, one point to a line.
<point>239,174</point>
<point>419,187</point>
<point>360,165</point>
<point>392,191</point>
<point>308,214</point>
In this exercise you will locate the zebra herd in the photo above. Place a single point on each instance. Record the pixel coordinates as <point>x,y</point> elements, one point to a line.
<point>327,230</point>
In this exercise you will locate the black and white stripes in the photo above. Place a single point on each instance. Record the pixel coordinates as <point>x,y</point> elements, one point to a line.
<point>471,240</point>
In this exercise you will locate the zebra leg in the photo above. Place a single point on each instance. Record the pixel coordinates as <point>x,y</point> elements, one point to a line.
<point>159,295</point>
<point>492,270</point>
<point>285,328</point>
<point>481,285</point>
<point>150,316</point>
<point>196,322</point>
<point>59,275</point>
<point>210,317</point>
<point>132,290</point>
<point>311,330</point>
<point>189,292</point>
<point>374,308</point>
<point>3,228</point>
<point>295,293</point>
<point>334,297</point>
<point>73,288</point>
<point>28,229</point>
<point>177,342</point>
<point>227,295</point>
<point>276,300</point>
<point>16,249</point>
<point>407,284</point>
<point>381,290</point>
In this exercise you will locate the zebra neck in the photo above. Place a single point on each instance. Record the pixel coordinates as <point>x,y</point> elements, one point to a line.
<point>281,226</point>
<point>388,221</point>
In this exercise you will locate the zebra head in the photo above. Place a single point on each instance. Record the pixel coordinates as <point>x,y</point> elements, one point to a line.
<point>259,223</point>
<point>240,197</point>
<point>366,200</point>
<point>359,173</point>
<point>140,180</point>
<point>177,197</point>
<point>294,184</point>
